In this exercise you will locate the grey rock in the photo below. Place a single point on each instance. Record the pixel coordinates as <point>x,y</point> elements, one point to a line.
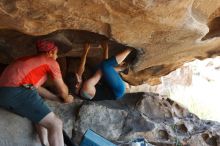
<point>19,131</point>
<point>154,108</point>
<point>106,121</point>
<point>137,115</point>
<point>16,130</point>
<point>66,112</point>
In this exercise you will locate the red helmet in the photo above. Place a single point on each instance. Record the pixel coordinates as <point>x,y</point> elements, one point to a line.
<point>45,46</point>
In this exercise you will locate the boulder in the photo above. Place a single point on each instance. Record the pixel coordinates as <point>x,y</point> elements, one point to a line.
<point>165,33</point>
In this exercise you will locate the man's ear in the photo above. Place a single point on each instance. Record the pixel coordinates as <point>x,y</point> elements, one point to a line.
<point>51,52</point>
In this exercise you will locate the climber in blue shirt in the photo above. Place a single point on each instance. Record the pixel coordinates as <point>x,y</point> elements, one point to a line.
<point>112,86</point>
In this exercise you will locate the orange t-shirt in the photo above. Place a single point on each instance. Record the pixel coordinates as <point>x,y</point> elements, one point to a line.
<point>30,70</point>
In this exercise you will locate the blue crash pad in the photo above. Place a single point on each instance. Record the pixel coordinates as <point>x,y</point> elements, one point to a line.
<point>91,138</point>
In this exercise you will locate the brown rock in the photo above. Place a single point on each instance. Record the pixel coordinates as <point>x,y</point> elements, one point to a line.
<point>169,32</point>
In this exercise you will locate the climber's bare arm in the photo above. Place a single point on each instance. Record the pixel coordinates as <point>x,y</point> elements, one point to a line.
<point>81,68</point>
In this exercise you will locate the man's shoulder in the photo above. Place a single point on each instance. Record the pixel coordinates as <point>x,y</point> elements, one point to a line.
<point>37,60</point>
<point>45,59</point>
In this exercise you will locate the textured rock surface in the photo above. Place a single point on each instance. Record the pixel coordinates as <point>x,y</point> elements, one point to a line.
<point>66,112</point>
<point>19,131</point>
<point>16,130</point>
<point>166,34</point>
<point>157,119</point>
<point>195,86</point>
<point>102,122</point>
<point>169,32</point>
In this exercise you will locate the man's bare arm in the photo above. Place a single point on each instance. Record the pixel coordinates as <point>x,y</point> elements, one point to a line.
<point>63,90</point>
<point>47,94</point>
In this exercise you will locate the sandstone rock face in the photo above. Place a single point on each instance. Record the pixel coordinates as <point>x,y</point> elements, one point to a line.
<point>169,32</point>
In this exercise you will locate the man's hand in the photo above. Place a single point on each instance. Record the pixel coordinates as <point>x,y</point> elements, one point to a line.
<point>69,99</point>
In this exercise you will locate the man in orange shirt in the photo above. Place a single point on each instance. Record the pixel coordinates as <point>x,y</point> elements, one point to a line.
<point>21,91</point>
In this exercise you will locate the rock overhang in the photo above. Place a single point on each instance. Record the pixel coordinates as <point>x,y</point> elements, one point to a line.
<point>169,33</point>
